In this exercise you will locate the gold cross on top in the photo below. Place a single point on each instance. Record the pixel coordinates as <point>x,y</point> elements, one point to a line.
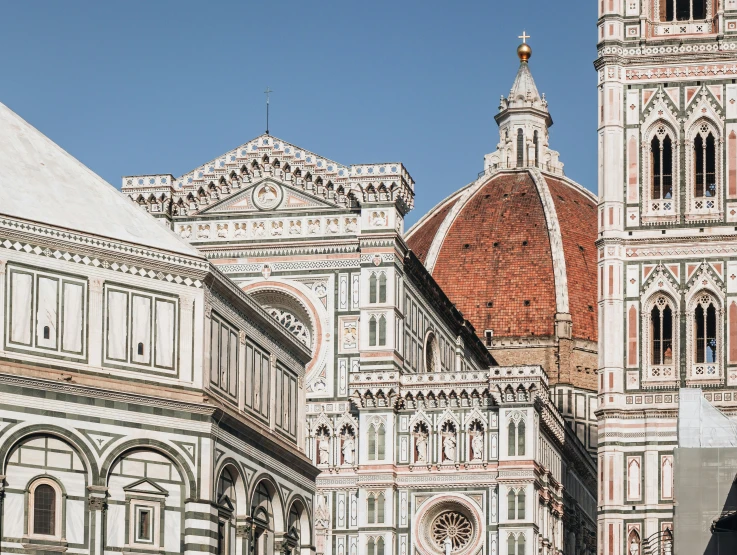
<point>524,36</point>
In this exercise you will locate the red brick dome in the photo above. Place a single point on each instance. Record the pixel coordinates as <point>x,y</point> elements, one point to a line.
<point>513,250</point>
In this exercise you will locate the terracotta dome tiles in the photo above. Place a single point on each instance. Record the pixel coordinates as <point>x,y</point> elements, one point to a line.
<point>496,264</point>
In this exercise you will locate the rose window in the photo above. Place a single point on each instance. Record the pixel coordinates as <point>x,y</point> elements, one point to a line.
<point>453,525</point>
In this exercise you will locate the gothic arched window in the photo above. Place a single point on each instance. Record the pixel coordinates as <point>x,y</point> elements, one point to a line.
<point>382,330</point>
<point>520,148</point>
<point>511,505</point>
<point>705,330</point>
<point>371,547</point>
<point>380,546</point>
<point>376,441</point>
<point>382,287</point>
<point>372,288</point>
<point>521,438</point>
<point>512,439</point>
<point>661,332</point>
<point>661,163</point>
<point>372,331</point>
<point>704,164</point>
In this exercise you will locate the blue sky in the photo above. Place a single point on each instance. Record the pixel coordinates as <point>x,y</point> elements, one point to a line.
<point>164,86</point>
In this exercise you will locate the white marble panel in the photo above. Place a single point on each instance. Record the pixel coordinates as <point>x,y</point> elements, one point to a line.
<point>172,531</point>
<point>75,521</point>
<point>14,514</point>
<point>115,536</point>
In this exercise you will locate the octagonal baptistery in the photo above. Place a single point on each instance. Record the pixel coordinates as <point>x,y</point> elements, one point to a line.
<point>515,252</point>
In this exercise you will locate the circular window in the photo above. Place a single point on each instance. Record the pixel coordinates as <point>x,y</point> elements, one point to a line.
<point>448,518</point>
<point>453,526</point>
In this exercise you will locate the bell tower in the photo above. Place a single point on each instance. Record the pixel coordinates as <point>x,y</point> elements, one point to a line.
<point>667,248</point>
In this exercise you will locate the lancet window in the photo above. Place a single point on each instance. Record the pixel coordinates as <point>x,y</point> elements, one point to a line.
<point>661,159</point>
<point>520,148</point>
<point>660,330</point>
<point>705,330</point>
<point>516,438</point>
<point>704,175</point>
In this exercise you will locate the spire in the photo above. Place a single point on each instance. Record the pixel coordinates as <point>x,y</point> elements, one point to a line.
<point>523,121</point>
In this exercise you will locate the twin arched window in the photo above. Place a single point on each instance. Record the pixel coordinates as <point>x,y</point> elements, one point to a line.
<point>516,544</point>
<point>516,505</point>
<point>703,321</point>
<point>376,442</point>
<point>377,331</point>
<point>375,546</point>
<point>516,439</point>
<point>375,504</point>
<point>377,288</point>
<point>702,187</point>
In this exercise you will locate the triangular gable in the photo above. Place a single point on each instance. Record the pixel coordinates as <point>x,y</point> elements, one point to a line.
<point>145,486</point>
<point>289,199</point>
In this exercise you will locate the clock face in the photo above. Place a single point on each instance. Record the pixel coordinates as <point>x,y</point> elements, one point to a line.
<point>267,196</point>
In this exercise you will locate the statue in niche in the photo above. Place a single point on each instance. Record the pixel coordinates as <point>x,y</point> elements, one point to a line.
<point>476,432</point>
<point>333,225</point>
<point>277,228</point>
<point>351,225</point>
<point>222,231</point>
<point>420,445</point>
<point>323,447</point>
<point>295,227</point>
<point>349,449</point>
<point>185,232</point>
<point>477,446</point>
<point>240,230</point>
<point>258,229</point>
<point>634,547</point>
<point>449,448</point>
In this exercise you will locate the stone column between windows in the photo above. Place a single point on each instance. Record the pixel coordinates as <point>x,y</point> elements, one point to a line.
<point>96,502</point>
<point>95,322</point>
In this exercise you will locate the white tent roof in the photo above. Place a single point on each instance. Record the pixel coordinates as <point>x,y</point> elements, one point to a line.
<point>41,182</point>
